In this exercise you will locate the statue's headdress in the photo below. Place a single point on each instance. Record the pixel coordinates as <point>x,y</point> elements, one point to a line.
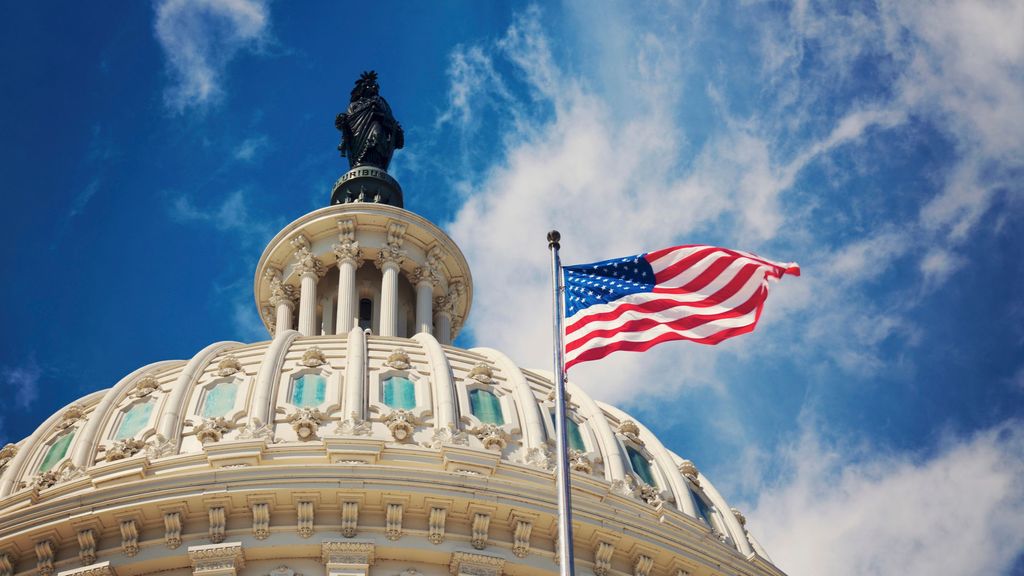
<point>366,80</point>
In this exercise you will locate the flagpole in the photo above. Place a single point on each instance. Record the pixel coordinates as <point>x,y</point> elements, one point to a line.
<point>565,554</point>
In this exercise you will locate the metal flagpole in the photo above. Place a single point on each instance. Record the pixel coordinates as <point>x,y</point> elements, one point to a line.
<point>567,559</point>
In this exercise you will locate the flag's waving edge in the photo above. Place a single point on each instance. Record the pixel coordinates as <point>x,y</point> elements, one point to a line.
<point>705,294</point>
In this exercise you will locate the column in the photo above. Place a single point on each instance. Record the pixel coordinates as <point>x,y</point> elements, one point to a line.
<point>347,558</point>
<point>349,259</point>
<point>310,270</point>
<point>424,279</point>
<point>389,260</point>
<point>282,298</point>
<point>216,559</point>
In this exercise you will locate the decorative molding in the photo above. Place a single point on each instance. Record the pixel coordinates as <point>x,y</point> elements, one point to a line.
<point>283,570</point>
<point>349,519</point>
<point>172,529</point>
<point>347,247</point>
<point>7,453</point>
<point>334,552</point>
<point>353,426</point>
<point>313,357</point>
<point>401,424</point>
<point>392,252</point>
<point>280,293</point>
<point>256,430</point>
<point>72,415</point>
<point>642,565</point>
<point>436,525</point>
<point>580,462</point>
<point>689,471</point>
<point>145,386</point>
<point>305,261</point>
<point>306,422</point>
<point>740,517</point>
<point>228,366</point>
<point>124,449</point>
<point>6,565</point>
<point>101,569</point>
<point>261,520</point>
<point>129,538</point>
<point>521,538</point>
<point>216,559</point>
<point>603,558</point>
<point>469,564</point>
<point>651,495</point>
<point>623,486</point>
<point>492,437</point>
<point>539,457</point>
<point>447,435</point>
<point>631,431</point>
<point>482,373</point>
<point>44,557</point>
<point>393,522</point>
<point>481,526</point>
<point>212,429</point>
<point>218,523</point>
<point>43,480</point>
<point>398,359</point>
<point>306,514</point>
<point>87,546</point>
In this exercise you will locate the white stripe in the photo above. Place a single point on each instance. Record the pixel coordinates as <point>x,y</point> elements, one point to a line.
<point>697,333</point>
<point>688,275</point>
<point>674,256</point>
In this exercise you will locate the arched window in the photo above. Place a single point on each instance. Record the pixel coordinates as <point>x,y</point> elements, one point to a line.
<point>365,313</point>
<point>640,465</point>
<point>575,439</point>
<point>703,509</point>
<point>56,452</point>
<point>133,421</point>
<point>309,390</point>
<point>486,406</point>
<point>220,400</point>
<point>399,392</point>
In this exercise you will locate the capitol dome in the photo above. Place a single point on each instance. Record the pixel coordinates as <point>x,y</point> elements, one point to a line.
<point>357,440</point>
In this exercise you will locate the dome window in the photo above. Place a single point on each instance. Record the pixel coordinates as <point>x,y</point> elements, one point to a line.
<point>640,465</point>
<point>703,509</point>
<point>486,407</point>
<point>309,390</point>
<point>220,400</point>
<point>575,438</point>
<point>133,421</point>
<point>399,392</point>
<point>56,452</point>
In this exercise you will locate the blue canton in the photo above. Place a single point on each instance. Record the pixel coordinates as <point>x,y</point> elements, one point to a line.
<point>606,281</point>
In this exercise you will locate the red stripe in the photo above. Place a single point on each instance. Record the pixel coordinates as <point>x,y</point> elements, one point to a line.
<point>681,266</point>
<point>652,256</point>
<point>685,323</point>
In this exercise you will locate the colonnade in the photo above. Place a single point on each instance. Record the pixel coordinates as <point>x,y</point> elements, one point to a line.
<point>433,315</point>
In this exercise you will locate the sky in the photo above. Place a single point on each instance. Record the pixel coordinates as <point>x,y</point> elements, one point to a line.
<point>874,422</point>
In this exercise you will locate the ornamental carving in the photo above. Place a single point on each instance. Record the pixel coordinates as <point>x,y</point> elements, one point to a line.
<point>349,519</point>
<point>642,565</point>
<point>449,303</point>
<point>305,261</point>
<point>43,480</point>
<point>475,564</point>
<point>6,566</point>
<point>305,515</point>
<point>87,546</point>
<point>623,486</point>
<point>129,538</point>
<point>218,524</point>
<point>739,517</point>
<point>283,570</point>
<point>172,529</point>
<point>255,430</point>
<point>7,453</point>
<point>212,429</point>
<point>398,359</point>
<point>630,430</point>
<point>492,437</point>
<point>650,494</point>
<point>353,426</point>
<point>393,522</point>
<point>603,558</point>
<point>145,386</point>
<point>313,357</point>
<point>280,293</point>
<point>482,373</point>
<point>392,252</point>
<point>480,530</point>
<point>521,538</point>
<point>400,423</point>
<point>447,435</point>
<point>579,462</point>
<point>124,449</point>
<point>347,247</point>
<point>306,421</point>
<point>689,471</point>
<point>71,416</point>
<point>539,457</point>
<point>436,525</point>
<point>44,557</point>
<point>216,558</point>
<point>228,365</point>
<point>347,553</point>
<point>261,520</point>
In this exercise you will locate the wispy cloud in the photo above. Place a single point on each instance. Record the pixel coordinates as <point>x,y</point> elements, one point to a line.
<point>200,38</point>
<point>230,215</point>
<point>22,383</point>
<point>251,148</point>
<point>858,510</point>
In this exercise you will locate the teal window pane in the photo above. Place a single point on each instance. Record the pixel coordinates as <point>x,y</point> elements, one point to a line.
<point>220,400</point>
<point>640,465</point>
<point>575,439</point>
<point>399,392</point>
<point>309,390</point>
<point>56,452</point>
<point>486,407</point>
<point>703,509</point>
<point>134,420</point>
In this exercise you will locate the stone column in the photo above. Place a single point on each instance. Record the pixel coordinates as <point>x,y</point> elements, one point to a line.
<point>389,260</point>
<point>216,559</point>
<point>347,558</point>
<point>282,298</point>
<point>425,278</point>
<point>310,270</point>
<point>349,259</point>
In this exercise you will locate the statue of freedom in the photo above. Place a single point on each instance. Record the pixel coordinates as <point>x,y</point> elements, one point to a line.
<point>369,132</point>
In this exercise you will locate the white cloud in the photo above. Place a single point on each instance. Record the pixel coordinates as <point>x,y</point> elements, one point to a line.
<point>22,383</point>
<point>231,215</point>
<point>250,148</point>
<point>200,37</point>
<point>859,511</point>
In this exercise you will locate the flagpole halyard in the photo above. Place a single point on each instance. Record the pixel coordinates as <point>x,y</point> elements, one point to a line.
<point>565,548</point>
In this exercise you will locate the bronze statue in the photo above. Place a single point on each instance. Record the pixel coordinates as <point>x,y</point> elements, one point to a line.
<point>369,132</point>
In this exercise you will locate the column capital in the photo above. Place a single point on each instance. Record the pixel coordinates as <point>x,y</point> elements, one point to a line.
<point>449,303</point>
<point>216,559</point>
<point>347,247</point>
<point>305,261</point>
<point>392,252</point>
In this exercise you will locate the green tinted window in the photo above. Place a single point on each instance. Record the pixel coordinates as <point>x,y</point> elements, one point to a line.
<point>56,452</point>
<point>486,407</point>
<point>220,399</point>
<point>134,420</point>
<point>640,465</point>
<point>309,390</point>
<point>399,392</point>
<point>703,509</point>
<point>575,440</point>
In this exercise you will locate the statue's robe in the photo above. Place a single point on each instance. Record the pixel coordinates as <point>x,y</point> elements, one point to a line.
<point>370,133</point>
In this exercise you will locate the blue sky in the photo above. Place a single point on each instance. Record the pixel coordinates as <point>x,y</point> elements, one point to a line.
<point>871,425</point>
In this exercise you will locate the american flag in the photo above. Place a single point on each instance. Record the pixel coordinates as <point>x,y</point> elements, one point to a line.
<point>700,293</point>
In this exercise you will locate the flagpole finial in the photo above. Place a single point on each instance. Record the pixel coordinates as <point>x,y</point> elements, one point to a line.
<point>553,238</point>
